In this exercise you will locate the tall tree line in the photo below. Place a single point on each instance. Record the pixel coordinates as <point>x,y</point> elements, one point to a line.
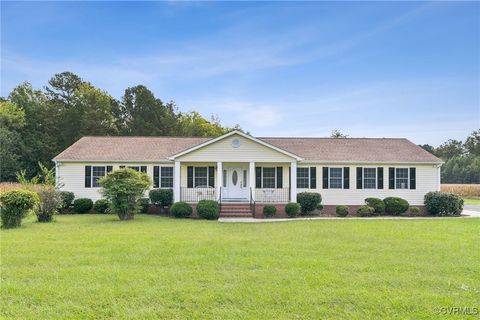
<point>36,125</point>
<point>462,159</point>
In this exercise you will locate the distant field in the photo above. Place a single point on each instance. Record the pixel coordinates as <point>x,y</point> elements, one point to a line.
<point>7,186</point>
<point>471,191</point>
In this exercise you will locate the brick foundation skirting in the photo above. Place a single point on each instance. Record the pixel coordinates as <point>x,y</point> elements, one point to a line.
<point>327,211</point>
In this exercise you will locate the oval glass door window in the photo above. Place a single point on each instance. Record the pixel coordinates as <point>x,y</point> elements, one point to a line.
<point>234,177</point>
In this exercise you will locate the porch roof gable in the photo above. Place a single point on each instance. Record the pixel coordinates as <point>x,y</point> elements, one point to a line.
<point>229,134</point>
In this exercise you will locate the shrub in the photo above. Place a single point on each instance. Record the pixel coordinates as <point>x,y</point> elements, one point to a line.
<point>67,199</point>
<point>123,188</point>
<point>365,211</point>
<point>341,211</point>
<point>82,205</point>
<point>414,210</point>
<point>144,204</point>
<point>181,210</point>
<point>15,205</point>
<point>395,206</point>
<point>309,201</point>
<point>376,204</point>
<point>269,211</point>
<point>443,203</point>
<point>292,209</point>
<point>50,201</point>
<point>208,209</point>
<point>161,197</point>
<point>101,206</point>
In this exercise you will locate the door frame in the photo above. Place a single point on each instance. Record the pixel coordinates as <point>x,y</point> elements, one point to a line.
<point>228,169</point>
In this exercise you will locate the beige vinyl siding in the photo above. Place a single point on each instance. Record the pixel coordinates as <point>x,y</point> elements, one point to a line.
<point>247,151</point>
<point>72,176</point>
<point>426,181</point>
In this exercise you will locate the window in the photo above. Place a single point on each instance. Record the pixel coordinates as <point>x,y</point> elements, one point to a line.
<point>136,168</point>
<point>369,178</point>
<point>335,178</point>
<point>224,178</point>
<point>200,177</point>
<point>268,177</point>
<point>401,178</point>
<point>303,178</point>
<point>97,173</point>
<point>166,177</point>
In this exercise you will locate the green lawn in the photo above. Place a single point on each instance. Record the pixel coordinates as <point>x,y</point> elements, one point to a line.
<point>472,201</point>
<point>94,266</point>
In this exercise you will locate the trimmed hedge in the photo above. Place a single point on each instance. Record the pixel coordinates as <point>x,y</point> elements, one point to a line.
<point>101,206</point>
<point>269,211</point>
<point>161,197</point>
<point>144,204</point>
<point>395,206</point>
<point>82,205</point>
<point>414,210</point>
<point>292,209</point>
<point>15,206</point>
<point>181,210</point>
<point>443,203</point>
<point>309,201</point>
<point>341,211</point>
<point>365,211</point>
<point>67,199</point>
<point>208,209</point>
<point>376,204</point>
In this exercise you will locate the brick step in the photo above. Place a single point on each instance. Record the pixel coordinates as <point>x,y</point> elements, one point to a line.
<point>235,209</point>
<point>236,214</point>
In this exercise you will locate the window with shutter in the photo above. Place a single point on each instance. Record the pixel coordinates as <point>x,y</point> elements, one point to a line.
<point>166,177</point>
<point>303,178</point>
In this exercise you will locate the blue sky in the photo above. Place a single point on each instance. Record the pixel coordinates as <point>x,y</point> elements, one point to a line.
<point>408,69</point>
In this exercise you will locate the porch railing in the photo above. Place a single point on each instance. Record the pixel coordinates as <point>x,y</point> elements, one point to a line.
<point>197,194</point>
<point>272,195</point>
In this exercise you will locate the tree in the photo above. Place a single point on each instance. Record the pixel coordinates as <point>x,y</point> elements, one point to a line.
<point>336,133</point>
<point>143,114</point>
<point>41,134</point>
<point>449,149</point>
<point>472,144</point>
<point>192,124</point>
<point>12,119</point>
<point>428,148</point>
<point>63,86</point>
<point>123,188</point>
<point>95,110</point>
<point>70,107</point>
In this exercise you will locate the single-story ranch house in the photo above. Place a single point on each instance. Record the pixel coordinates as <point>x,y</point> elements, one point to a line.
<point>239,170</point>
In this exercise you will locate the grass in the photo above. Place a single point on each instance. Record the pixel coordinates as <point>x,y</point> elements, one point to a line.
<point>94,266</point>
<point>472,201</point>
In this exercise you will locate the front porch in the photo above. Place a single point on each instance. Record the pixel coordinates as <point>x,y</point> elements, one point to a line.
<point>235,182</point>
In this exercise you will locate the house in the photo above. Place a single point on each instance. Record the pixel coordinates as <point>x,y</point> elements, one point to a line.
<point>240,170</point>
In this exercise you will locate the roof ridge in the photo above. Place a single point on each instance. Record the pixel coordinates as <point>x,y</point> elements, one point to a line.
<point>123,137</point>
<point>330,138</point>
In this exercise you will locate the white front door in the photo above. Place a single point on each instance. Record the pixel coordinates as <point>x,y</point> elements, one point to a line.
<point>235,184</point>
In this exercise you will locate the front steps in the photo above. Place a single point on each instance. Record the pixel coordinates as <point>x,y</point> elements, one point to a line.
<point>237,210</point>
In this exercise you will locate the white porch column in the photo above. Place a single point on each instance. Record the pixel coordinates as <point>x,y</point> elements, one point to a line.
<point>293,182</point>
<point>219,179</point>
<point>251,178</point>
<point>176,182</point>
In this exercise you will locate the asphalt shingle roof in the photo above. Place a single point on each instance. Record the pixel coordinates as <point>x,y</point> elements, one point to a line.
<point>313,149</point>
